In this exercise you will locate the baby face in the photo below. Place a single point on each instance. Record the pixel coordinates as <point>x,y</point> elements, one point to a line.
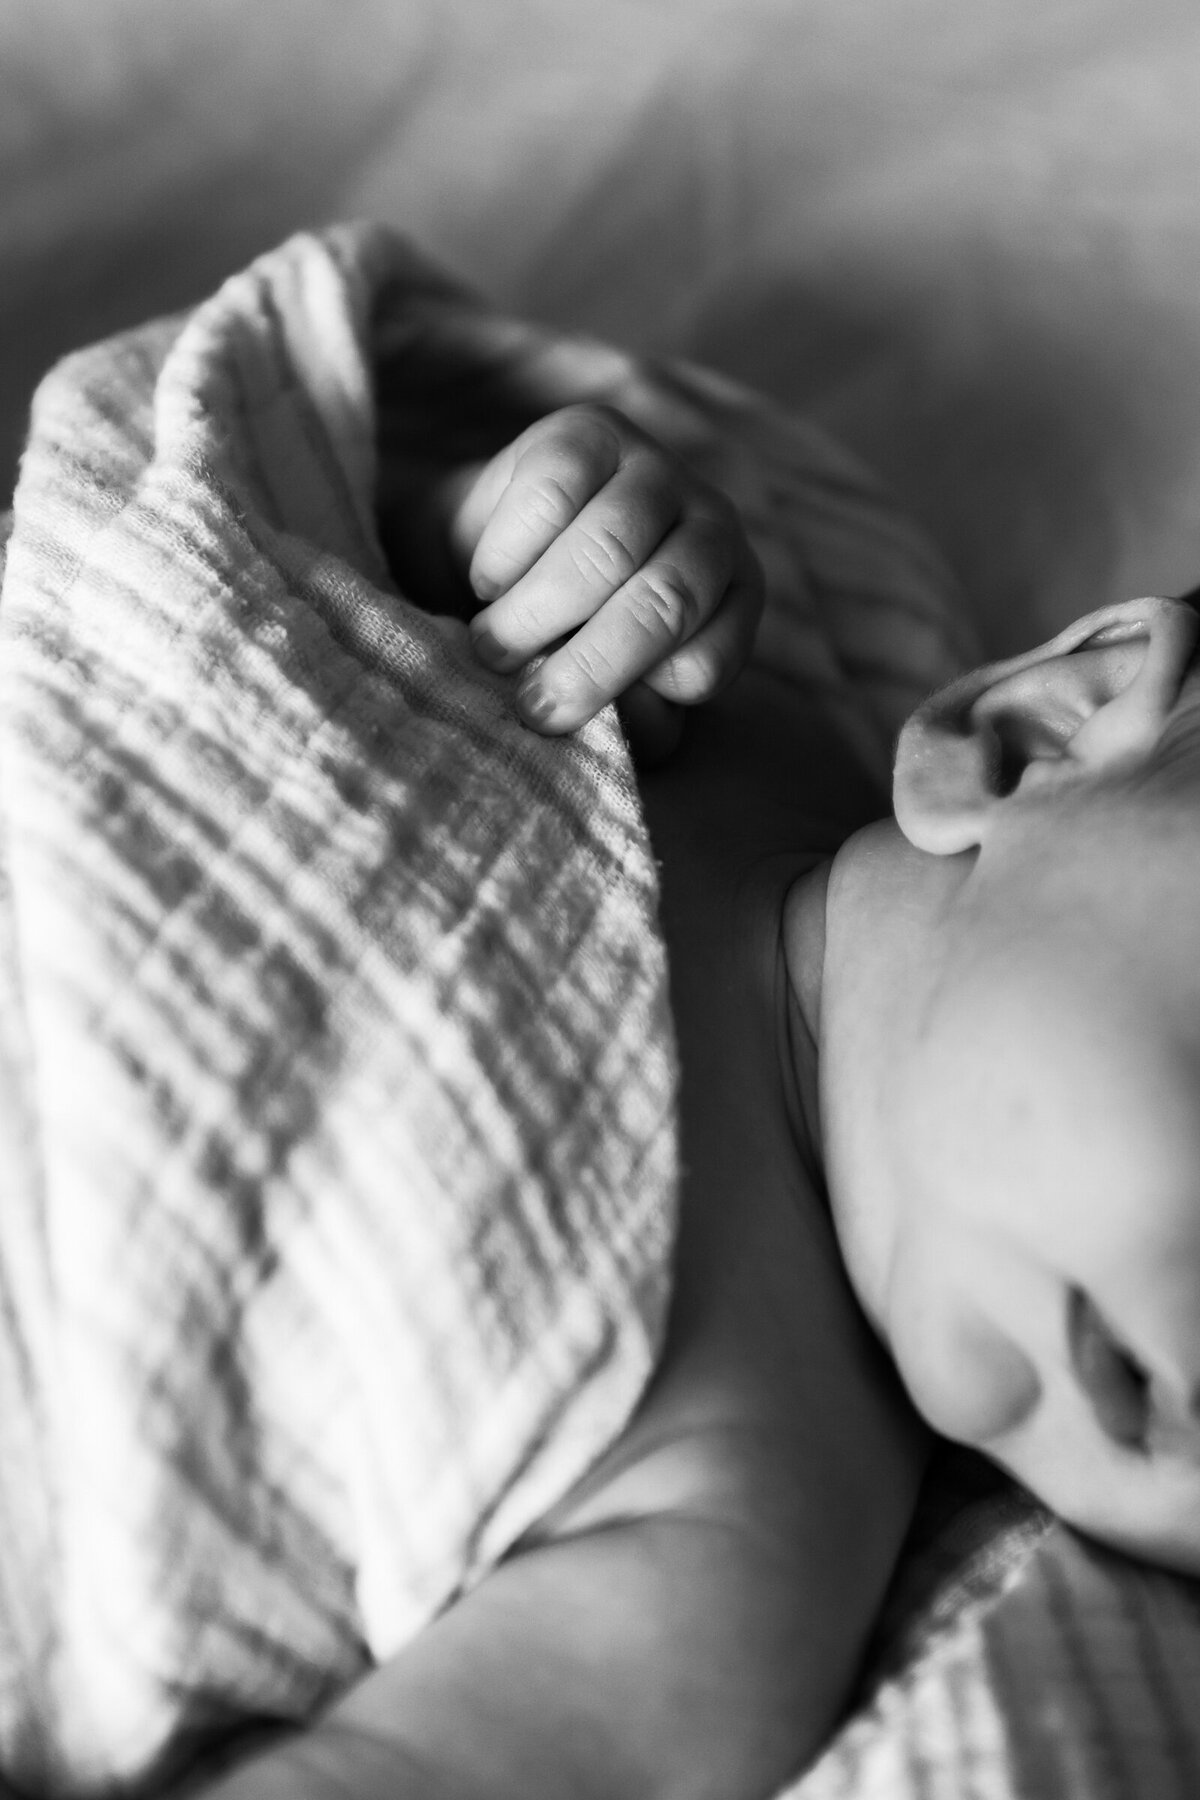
<point>1042,1293</point>
<point>1014,1139</point>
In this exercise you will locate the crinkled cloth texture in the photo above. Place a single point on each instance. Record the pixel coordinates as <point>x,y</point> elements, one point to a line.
<point>1018,1661</point>
<point>337,1101</point>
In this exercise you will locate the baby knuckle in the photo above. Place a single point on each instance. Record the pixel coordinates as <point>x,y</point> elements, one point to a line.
<point>548,503</point>
<point>665,603</point>
<point>602,552</point>
<point>695,673</point>
<point>593,664</point>
<point>523,623</point>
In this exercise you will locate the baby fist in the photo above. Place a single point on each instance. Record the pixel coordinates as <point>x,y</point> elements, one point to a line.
<point>590,542</point>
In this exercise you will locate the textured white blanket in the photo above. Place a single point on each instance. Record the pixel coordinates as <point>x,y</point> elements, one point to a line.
<point>337,1112</point>
<point>338,1144</point>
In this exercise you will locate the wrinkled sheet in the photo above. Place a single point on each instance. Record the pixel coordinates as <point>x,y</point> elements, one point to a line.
<point>337,1125</point>
<point>1018,1661</point>
<point>338,1140</point>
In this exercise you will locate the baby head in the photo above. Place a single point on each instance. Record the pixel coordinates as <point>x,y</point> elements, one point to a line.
<point>1010,1057</point>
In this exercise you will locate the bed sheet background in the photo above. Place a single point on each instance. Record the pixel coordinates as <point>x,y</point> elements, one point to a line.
<point>968,237</point>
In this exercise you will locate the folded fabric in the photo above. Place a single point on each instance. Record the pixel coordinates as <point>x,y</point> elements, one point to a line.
<point>337,1118</point>
<point>1022,1662</point>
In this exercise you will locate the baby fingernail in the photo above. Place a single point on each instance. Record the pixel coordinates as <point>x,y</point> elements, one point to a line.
<point>484,587</point>
<point>535,705</point>
<point>491,651</point>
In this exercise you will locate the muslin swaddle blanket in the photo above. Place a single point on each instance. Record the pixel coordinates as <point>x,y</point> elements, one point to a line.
<point>337,1101</point>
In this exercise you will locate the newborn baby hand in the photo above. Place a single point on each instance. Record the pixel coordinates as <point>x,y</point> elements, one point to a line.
<point>590,543</point>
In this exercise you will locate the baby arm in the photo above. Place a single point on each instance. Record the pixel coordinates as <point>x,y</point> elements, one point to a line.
<point>690,1622</point>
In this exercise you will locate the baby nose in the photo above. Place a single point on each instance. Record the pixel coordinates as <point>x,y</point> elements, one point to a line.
<point>1174,1422</point>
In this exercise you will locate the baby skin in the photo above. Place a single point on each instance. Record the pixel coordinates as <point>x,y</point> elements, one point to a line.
<point>936,1071</point>
<point>1010,1066</point>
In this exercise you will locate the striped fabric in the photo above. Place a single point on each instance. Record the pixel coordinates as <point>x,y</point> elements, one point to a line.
<point>338,1146</point>
<point>1022,1663</point>
<point>337,1097</point>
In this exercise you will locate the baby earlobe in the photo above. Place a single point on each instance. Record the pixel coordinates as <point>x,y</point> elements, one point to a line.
<point>1095,697</point>
<point>943,779</point>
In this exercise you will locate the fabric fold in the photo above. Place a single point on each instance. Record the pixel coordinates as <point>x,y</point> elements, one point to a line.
<point>339,1142</point>
<point>339,1149</point>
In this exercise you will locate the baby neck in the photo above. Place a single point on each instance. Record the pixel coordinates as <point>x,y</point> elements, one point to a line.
<point>804,946</point>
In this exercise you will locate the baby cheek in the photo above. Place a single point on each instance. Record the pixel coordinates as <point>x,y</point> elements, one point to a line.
<point>964,1372</point>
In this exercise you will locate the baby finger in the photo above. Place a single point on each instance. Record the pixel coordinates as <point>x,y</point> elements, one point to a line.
<point>610,539</point>
<point>553,470</point>
<point>710,659</point>
<point>662,605</point>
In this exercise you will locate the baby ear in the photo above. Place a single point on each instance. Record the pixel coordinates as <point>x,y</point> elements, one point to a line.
<point>1095,697</point>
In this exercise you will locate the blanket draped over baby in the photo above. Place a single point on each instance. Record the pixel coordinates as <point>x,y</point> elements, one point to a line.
<point>338,1092</point>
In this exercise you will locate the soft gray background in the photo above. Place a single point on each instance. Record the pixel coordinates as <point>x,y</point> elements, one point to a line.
<point>967,233</point>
